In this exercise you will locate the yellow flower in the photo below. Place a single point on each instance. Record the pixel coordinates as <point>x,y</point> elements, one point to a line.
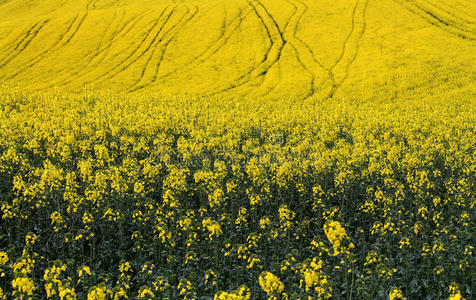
<point>24,285</point>
<point>270,283</point>
<point>3,258</point>
<point>242,293</point>
<point>84,270</point>
<point>146,293</point>
<point>336,234</point>
<point>30,238</point>
<point>455,293</point>
<point>97,293</point>
<point>396,294</point>
<point>67,294</point>
<point>2,295</point>
<point>56,218</point>
<point>213,227</point>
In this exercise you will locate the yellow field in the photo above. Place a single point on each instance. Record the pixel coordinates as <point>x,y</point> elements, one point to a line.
<point>235,149</point>
<point>363,49</point>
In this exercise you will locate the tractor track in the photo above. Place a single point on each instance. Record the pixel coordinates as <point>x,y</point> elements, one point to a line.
<point>132,56</point>
<point>436,20</point>
<point>44,53</point>
<point>215,46</point>
<point>120,31</point>
<point>359,22</point>
<point>277,40</point>
<point>24,43</point>
<point>167,38</point>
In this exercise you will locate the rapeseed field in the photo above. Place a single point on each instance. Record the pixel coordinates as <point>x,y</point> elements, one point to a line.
<point>234,149</point>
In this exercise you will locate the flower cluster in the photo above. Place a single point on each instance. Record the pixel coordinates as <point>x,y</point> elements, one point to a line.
<point>108,197</point>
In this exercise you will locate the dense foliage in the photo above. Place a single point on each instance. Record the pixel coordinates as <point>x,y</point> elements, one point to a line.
<point>161,197</point>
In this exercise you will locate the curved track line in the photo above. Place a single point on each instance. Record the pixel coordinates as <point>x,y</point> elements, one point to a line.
<point>167,38</point>
<point>449,12</point>
<point>442,19</point>
<point>436,20</point>
<point>73,69</point>
<point>23,44</point>
<point>347,38</point>
<point>271,56</point>
<point>216,46</point>
<point>255,83</point>
<point>127,62</point>
<point>81,71</point>
<point>350,53</point>
<point>154,41</point>
<point>10,44</point>
<point>41,55</point>
<point>304,53</point>
<point>18,41</point>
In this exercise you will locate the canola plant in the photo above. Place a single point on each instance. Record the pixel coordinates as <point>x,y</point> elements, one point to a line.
<point>262,149</point>
<point>146,197</point>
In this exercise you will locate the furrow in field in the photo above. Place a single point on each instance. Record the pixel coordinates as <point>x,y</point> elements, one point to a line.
<point>13,45</point>
<point>135,54</point>
<point>23,44</point>
<point>75,30</point>
<point>436,20</point>
<point>347,38</point>
<point>91,4</point>
<point>304,53</point>
<point>162,45</point>
<point>227,32</point>
<point>56,45</point>
<point>269,90</point>
<point>351,48</point>
<point>72,69</point>
<point>253,85</point>
<point>457,9</point>
<point>452,13</point>
<point>271,56</point>
<point>80,70</point>
<point>444,16</point>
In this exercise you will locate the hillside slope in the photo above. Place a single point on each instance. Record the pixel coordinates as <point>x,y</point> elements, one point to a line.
<point>278,48</point>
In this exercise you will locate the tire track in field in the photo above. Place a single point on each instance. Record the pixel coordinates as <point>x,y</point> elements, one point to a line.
<point>285,30</point>
<point>42,54</point>
<point>9,44</point>
<point>445,20</point>
<point>466,23</point>
<point>23,44</point>
<point>18,41</point>
<point>304,53</point>
<point>71,32</point>
<point>347,38</point>
<point>458,9</point>
<point>132,57</point>
<point>278,64</point>
<point>4,2</point>
<point>91,4</point>
<point>81,64</point>
<point>81,70</point>
<point>351,46</point>
<point>271,56</point>
<point>257,82</point>
<point>166,39</point>
<point>227,31</point>
<point>436,20</point>
<point>449,12</point>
